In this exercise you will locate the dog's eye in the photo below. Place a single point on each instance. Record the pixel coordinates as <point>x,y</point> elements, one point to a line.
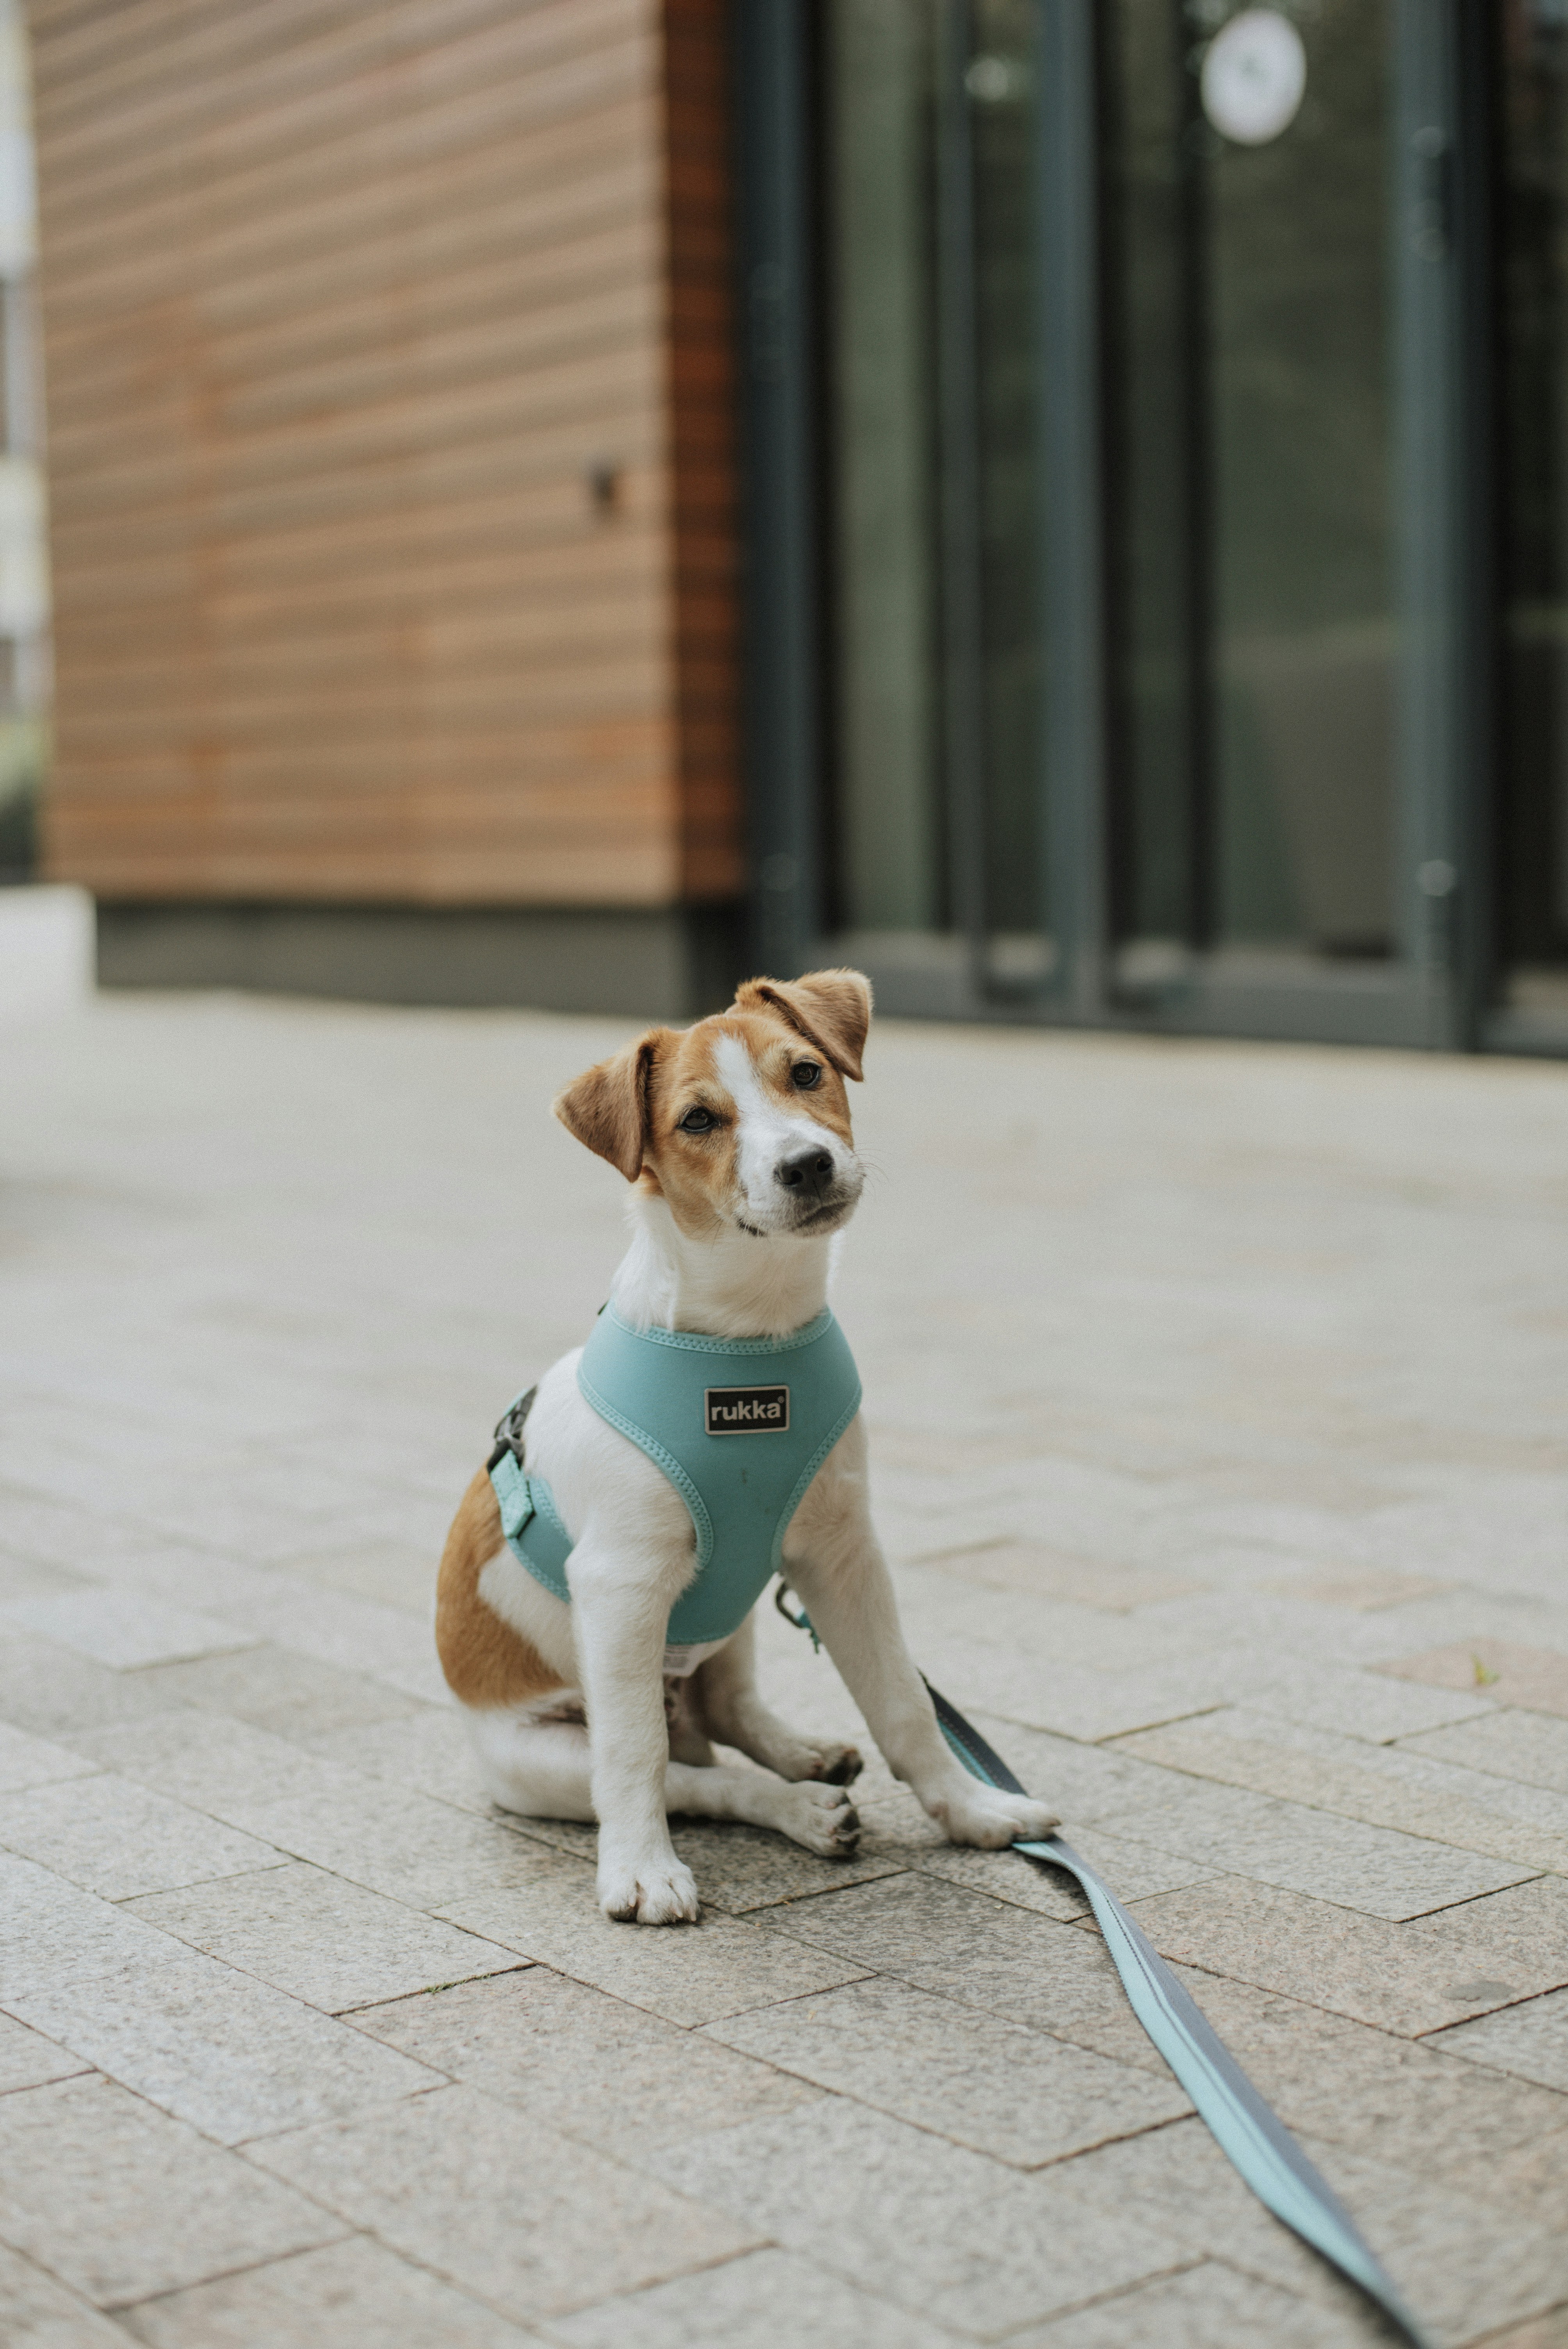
<point>698,1120</point>
<point>805,1073</point>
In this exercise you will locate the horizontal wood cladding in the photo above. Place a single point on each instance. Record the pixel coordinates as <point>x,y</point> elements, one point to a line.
<point>345,305</point>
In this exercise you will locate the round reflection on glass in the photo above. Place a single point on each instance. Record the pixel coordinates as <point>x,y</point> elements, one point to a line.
<point>1254,76</point>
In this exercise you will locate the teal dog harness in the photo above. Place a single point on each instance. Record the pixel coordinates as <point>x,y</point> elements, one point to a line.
<point>740,1427</point>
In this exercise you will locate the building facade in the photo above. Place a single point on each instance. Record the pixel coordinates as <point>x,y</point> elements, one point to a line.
<point>1063,504</point>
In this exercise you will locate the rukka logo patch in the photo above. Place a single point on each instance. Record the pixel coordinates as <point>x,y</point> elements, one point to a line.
<point>746,1410</point>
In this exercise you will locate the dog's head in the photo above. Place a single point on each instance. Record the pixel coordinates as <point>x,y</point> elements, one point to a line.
<point>741,1122</point>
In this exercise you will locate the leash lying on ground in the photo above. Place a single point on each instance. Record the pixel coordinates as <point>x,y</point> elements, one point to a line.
<point>1248,2132</point>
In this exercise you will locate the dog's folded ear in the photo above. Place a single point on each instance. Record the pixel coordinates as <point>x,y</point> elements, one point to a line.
<point>832,1009</point>
<point>607,1107</point>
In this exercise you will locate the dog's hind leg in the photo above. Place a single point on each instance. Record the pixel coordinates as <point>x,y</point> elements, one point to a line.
<point>736,1716</point>
<point>687,1727</point>
<point>538,1769</point>
<point>541,1769</point>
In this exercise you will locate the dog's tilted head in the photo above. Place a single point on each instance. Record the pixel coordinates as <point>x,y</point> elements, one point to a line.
<point>741,1122</point>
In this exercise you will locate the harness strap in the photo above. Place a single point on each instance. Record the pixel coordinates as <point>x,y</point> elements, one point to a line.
<point>1247,2130</point>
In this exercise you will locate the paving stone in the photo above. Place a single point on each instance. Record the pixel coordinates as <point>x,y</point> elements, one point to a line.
<point>1016,2093</point>
<point>1407,1978</point>
<point>37,2312</point>
<point>1536,1679</point>
<point>1530,1747</point>
<point>1401,1788</point>
<point>322,1938</point>
<point>1530,2041</point>
<point>389,1839</point>
<point>35,1761</point>
<point>25,1578</point>
<point>1085,1783</point>
<point>1548,2331</point>
<point>1392,2099</point>
<point>1459,2262</point>
<point>503,2205</point>
<point>942,2231</point>
<point>744,1869</point>
<point>226,1768</point>
<point>1039,1572</point>
<point>1134,1872</point>
<point>1206,2307</point>
<point>688,1973</point>
<point>428,1748</point>
<point>1352,1702</point>
<point>53,1693</point>
<point>27,2059</point>
<point>398,1842</point>
<point>232,2055</point>
<point>979,1952</point>
<point>1083,1703</point>
<point>53,1933</point>
<point>292,1695</point>
<point>1373,1869</point>
<point>355,1634</point>
<point>768,2300</point>
<point>603,2070</point>
<point>119,2201</point>
<point>120,1839</point>
<point>354,2292</point>
<point>121,1629</point>
<point>1366,1592</point>
<point>393,1574</point>
<point>1531,2180</point>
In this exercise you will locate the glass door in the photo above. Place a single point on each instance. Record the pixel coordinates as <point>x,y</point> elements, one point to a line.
<point>1233,802</point>
<point>1256,636</point>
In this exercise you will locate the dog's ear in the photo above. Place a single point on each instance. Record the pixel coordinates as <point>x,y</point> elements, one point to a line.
<point>832,1009</point>
<point>607,1108</point>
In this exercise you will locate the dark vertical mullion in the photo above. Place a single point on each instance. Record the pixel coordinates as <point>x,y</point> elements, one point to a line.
<point>1075,731</point>
<point>783,720</point>
<point>963,708</point>
<point>1444,478</point>
<point>1195,394</point>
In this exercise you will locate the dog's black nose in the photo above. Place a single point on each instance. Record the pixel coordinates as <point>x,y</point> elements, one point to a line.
<point>808,1170</point>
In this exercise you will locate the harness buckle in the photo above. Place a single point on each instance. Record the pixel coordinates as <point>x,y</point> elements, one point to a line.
<point>509,1431</point>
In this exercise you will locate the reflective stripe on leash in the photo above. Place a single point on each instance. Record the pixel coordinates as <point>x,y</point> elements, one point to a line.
<point>1248,2132</point>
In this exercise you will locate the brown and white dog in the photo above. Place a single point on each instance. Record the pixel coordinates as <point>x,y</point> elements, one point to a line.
<point>735,1137</point>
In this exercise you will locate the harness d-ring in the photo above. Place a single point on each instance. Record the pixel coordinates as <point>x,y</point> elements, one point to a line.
<point>802,1621</point>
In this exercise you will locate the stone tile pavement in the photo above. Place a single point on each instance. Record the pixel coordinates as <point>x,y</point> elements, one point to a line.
<point>1219,1407</point>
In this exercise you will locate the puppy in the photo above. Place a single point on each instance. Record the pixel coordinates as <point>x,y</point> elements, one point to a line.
<point>735,1137</point>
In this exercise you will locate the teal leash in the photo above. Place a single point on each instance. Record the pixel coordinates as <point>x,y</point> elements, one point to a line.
<point>1247,2130</point>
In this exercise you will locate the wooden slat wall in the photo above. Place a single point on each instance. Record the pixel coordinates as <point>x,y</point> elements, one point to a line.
<point>342,303</point>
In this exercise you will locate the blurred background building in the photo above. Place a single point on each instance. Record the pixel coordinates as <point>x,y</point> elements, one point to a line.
<point>1066,505</point>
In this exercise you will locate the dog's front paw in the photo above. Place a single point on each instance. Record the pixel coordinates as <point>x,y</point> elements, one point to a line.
<point>653,1892</point>
<point>986,1816</point>
<point>832,1763</point>
<point>822,1817</point>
